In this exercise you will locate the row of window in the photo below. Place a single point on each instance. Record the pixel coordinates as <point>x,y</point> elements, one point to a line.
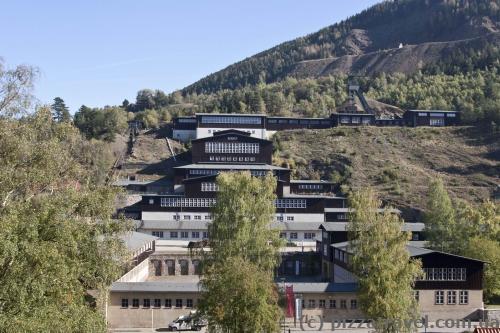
<point>436,114</point>
<point>294,235</point>
<point>290,203</point>
<point>231,120</point>
<point>436,122</point>
<point>177,217</point>
<point>310,186</point>
<point>181,234</point>
<point>451,297</point>
<point>232,147</point>
<point>157,303</point>
<point>279,218</point>
<point>231,159</point>
<point>186,120</point>
<point>354,120</point>
<point>209,202</point>
<point>255,173</point>
<point>444,274</point>
<point>187,202</point>
<point>332,304</point>
<point>209,187</point>
<point>297,121</point>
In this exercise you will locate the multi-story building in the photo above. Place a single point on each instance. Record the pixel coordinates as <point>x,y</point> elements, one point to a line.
<point>301,205</point>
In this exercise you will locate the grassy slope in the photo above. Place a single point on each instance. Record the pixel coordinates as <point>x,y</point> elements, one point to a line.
<point>397,162</point>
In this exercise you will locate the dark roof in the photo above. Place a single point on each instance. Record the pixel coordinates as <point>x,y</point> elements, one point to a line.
<point>223,166</point>
<point>321,287</point>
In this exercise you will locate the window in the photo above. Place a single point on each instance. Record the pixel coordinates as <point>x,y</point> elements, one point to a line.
<point>177,217</point>
<point>231,148</point>
<point>197,217</point>
<point>366,120</point>
<point>208,217</point>
<point>186,217</point>
<point>178,303</point>
<point>151,201</point>
<point>247,120</point>
<point>283,235</point>
<point>343,304</point>
<point>157,303</point>
<point>439,297</point>
<point>146,303</point>
<point>356,120</point>
<point>173,234</point>
<point>279,218</point>
<point>322,303</point>
<point>209,187</point>
<point>354,304</point>
<point>312,304</point>
<point>187,202</point>
<point>124,302</point>
<point>345,120</point>
<point>135,303</point>
<point>158,234</point>
<point>309,235</point>
<point>195,234</point>
<point>450,115</point>
<point>197,267</point>
<point>184,266</point>
<point>290,203</point>
<point>205,234</point>
<point>168,303</point>
<point>436,122</point>
<point>184,234</point>
<point>444,274</point>
<point>290,218</point>
<point>293,235</point>
<point>452,297</point>
<point>333,304</point>
<point>310,186</point>
<point>464,297</point>
<point>416,294</point>
<point>170,263</point>
<point>189,303</point>
<point>157,267</point>
<point>422,114</point>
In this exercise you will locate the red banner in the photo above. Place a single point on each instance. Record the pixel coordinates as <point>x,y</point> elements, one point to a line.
<point>290,301</point>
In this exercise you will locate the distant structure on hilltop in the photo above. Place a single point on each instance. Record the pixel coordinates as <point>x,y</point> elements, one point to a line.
<point>356,111</point>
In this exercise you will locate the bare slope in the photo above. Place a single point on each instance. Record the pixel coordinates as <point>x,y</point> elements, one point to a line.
<point>398,162</point>
<point>408,59</point>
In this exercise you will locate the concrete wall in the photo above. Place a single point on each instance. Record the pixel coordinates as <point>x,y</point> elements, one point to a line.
<point>450,311</point>
<point>119,317</point>
<point>137,274</point>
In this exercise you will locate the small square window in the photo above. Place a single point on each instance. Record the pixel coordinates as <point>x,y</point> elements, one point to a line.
<point>354,304</point>
<point>189,303</point>
<point>184,234</point>
<point>322,303</point>
<point>333,304</point>
<point>151,201</point>
<point>312,304</point>
<point>168,303</point>
<point>343,304</point>
<point>195,234</point>
<point>293,235</point>
<point>173,234</point>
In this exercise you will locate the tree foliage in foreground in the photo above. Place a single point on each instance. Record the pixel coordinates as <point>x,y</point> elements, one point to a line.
<point>58,239</point>
<point>238,293</point>
<point>464,229</point>
<point>386,274</point>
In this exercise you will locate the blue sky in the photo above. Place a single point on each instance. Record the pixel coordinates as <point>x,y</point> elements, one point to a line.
<point>98,52</point>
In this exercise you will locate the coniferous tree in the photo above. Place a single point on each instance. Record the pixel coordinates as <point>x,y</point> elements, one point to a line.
<point>60,112</point>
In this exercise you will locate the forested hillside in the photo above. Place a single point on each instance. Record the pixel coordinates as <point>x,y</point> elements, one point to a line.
<point>381,27</point>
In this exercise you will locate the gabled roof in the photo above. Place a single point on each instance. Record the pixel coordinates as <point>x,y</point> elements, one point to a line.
<point>231,132</point>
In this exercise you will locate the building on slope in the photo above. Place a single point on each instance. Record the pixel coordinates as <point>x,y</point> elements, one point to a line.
<point>301,205</point>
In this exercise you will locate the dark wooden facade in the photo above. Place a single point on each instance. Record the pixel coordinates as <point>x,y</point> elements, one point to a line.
<point>415,118</point>
<point>199,154</point>
<point>284,123</point>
